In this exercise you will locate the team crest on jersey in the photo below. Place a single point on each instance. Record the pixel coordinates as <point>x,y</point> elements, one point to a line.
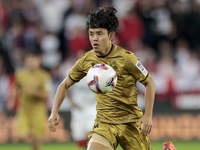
<point>141,67</point>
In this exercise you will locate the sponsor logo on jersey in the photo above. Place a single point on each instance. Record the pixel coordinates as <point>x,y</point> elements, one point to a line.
<point>141,68</point>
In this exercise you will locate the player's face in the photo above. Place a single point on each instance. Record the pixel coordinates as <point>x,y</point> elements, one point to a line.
<point>100,40</point>
<point>32,62</point>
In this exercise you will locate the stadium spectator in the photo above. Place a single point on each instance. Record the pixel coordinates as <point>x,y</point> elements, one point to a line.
<point>4,14</point>
<point>76,34</point>
<point>131,30</point>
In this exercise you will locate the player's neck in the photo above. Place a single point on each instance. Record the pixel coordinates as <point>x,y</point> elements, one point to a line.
<point>106,51</point>
<point>32,69</point>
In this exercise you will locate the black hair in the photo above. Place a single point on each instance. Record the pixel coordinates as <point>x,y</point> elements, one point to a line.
<point>103,17</point>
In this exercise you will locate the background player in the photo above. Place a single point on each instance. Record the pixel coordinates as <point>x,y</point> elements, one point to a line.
<point>83,112</point>
<point>119,119</point>
<point>32,87</point>
<point>83,104</point>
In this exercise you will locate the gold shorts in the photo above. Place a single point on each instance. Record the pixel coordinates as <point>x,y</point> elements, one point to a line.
<point>127,135</point>
<point>31,123</point>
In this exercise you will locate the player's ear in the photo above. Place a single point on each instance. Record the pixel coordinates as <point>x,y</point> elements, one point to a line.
<point>111,35</point>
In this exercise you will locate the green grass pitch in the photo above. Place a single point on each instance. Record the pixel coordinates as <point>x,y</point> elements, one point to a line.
<point>158,145</point>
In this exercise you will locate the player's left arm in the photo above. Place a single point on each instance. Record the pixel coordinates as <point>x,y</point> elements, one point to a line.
<point>146,120</point>
<point>135,68</point>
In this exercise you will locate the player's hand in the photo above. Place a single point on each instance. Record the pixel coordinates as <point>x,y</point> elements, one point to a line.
<point>29,89</point>
<point>53,121</point>
<point>147,122</point>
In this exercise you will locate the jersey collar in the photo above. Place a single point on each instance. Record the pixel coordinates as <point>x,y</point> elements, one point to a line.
<point>106,54</point>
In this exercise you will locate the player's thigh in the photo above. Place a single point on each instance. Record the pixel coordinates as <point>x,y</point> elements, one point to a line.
<point>22,122</point>
<point>107,131</point>
<point>38,121</point>
<point>98,142</point>
<point>97,146</point>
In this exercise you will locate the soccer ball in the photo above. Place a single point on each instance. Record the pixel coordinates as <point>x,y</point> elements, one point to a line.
<point>101,78</point>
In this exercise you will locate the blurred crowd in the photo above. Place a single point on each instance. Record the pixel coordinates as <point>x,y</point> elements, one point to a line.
<point>163,34</point>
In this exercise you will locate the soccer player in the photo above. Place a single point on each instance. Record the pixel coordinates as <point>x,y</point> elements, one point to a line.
<point>32,86</point>
<point>119,120</point>
<point>83,112</point>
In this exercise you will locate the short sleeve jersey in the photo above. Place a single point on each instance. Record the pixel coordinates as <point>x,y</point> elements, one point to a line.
<point>120,105</point>
<point>39,80</point>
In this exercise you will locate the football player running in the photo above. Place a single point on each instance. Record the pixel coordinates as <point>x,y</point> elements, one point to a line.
<point>119,120</point>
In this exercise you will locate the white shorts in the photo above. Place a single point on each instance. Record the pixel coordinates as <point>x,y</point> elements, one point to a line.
<point>82,122</point>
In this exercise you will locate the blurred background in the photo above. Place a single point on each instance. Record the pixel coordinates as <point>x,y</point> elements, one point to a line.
<point>163,34</point>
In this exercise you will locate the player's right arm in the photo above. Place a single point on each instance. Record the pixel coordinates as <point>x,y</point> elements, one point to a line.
<point>75,75</point>
<point>59,97</point>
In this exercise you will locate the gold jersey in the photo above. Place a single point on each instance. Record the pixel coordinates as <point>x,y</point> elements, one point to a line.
<point>120,105</point>
<point>39,80</point>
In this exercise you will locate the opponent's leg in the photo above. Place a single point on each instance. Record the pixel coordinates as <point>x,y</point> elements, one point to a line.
<point>98,142</point>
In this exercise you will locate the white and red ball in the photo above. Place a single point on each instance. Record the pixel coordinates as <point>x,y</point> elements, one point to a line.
<point>101,78</point>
